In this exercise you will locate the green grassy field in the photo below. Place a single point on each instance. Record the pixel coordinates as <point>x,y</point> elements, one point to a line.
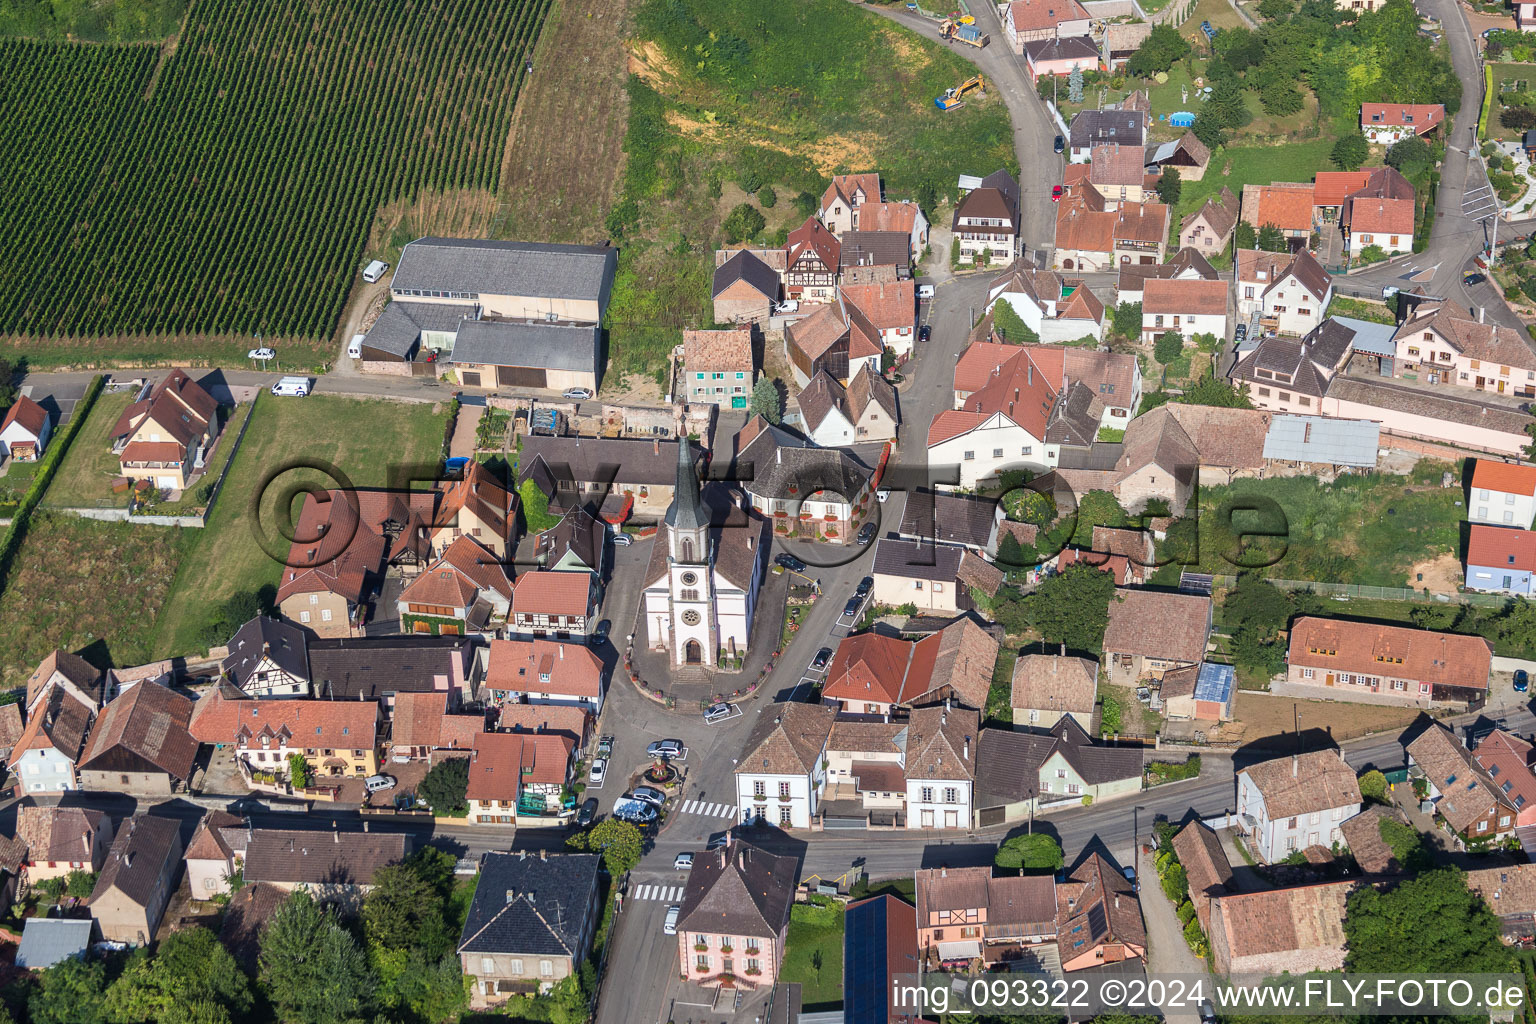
<point>85,476</point>
<point>1361,309</point>
<point>752,92</point>
<point>1236,166</point>
<point>78,583</point>
<point>362,439</point>
<point>813,955</point>
<point>1369,529</point>
<point>1507,78</point>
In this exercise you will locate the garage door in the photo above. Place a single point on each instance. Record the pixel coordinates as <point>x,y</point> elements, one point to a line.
<point>470,378</point>
<point>520,377</point>
<point>992,816</point>
<point>166,482</point>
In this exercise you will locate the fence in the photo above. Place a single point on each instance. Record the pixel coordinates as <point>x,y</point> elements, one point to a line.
<point>1379,593</point>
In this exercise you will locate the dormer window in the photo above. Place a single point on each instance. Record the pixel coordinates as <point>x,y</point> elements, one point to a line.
<point>543,677</point>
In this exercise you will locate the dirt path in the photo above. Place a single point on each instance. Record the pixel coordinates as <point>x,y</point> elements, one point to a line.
<point>358,305</point>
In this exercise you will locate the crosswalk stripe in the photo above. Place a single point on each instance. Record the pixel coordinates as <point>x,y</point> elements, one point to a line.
<point>688,807</point>
<point>644,893</point>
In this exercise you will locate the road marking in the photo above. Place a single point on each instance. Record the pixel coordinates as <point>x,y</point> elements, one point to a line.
<point>661,893</point>
<point>709,810</point>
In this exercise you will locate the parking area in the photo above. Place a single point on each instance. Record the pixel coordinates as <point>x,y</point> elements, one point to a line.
<point>58,393</point>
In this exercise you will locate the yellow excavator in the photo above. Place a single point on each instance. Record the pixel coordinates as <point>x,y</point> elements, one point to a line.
<point>955,97</point>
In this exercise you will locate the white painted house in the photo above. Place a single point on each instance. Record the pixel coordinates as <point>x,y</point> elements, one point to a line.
<point>941,767</point>
<point>24,431</point>
<point>1291,803</point>
<point>1040,299</point>
<point>1503,494</point>
<point>783,771</point>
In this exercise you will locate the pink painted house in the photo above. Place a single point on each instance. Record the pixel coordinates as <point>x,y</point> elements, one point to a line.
<point>735,916</point>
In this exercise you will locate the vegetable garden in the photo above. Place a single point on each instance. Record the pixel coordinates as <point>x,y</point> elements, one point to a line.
<point>176,205</point>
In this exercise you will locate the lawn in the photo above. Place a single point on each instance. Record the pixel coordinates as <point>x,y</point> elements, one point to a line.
<point>364,440</point>
<point>1507,78</point>
<point>813,955</point>
<point>78,583</point>
<point>85,476</point>
<point>1362,309</point>
<point>1236,166</point>
<point>15,483</point>
<point>1369,529</point>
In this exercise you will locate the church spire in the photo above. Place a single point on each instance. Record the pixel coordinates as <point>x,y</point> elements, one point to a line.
<point>687,511</point>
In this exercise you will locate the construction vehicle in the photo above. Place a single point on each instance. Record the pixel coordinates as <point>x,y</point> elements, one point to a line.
<point>955,97</point>
<point>952,32</point>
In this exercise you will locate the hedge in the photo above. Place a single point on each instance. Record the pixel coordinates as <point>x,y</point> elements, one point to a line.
<point>11,543</point>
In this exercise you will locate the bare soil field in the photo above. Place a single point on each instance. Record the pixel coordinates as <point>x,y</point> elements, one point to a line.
<point>1260,715</point>
<point>564,156</point>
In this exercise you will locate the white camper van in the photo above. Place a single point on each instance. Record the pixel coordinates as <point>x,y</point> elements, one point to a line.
<point>375,270</point>
<point>291,387</point>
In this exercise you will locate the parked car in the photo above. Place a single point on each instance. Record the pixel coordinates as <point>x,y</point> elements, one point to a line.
<point>291,387</point>
<point>379,783</point>
<point>637,811</point>
<point>1130,876</point>
<point>683,862</point>
<point>1474,279</point>
<point>853,606</point>
<point>598,771</point>
<point>881,495</point>
<point>924,291</point>
<point>622,539</point>
<point>665,748</point>
<point>669,926</point>
<point>1522,681</point>
<point>865,586</point>
<point>650,795</point>
<point>719,713</point>
<point>925,332</point>
<point>1060,144</point>
<point>1240,332</point>
<point>577,394</point>
<point>265,353</point>
<point>374,270</point>
<point>1055,193</point>
<point>790,562</point>
<point>587,813</point>
<point>1143,694</point>
<point>355,346</point>
<point>604,746</point>
<point>822,657</point>
<point>866,534</point>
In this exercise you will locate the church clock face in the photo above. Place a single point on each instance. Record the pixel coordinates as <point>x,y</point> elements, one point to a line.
<point>689,579</point>
<point>690,617</point>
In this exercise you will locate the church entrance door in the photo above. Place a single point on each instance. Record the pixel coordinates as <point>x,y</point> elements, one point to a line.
<point>693,653</point>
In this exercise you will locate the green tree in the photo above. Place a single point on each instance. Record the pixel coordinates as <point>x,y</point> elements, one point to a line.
<point>1009,326</point>
<point>298,771</point>
<point>1244,237</point>
<point>1373,787</point>
<point>80,883</point>
<point>1275,10</point>
<point>1170,186</point>
<point>1162,49</point>
<point>620,843</point>
<point>1272,239</point>
<point>767,197</point>
<point>1517,119</point>
<point>1175,883</point>
<point>72,991</point>
<point>1424,925</point>
<point>1256,604</point>
<point>1208,390</point>
<point>404,910</point>
<point>743,223</point>
<point>1209,129</point>
<point>1030,854</point>
<point>189,968</point>
<point>443,788</point>
<point>1227,104</point>
<point>1168,347</point>
<point>1410,154</point>
<point>311,967</point>
<point>1127,320</point>
<point>1407,845</point>
<point>1096,508</point>
<point>429,991</point>
<point>1530,431</point>
<point>1073,608</point>
<point>765,401</point>
<point>1350,151</point>
<point>806,204</point>
<point>535,506</point>
<point>1372,254</point>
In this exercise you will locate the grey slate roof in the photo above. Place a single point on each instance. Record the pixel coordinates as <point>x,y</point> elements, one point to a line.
<point>1370,337</point>
<point>1090,127</point>
<point>745,267</point>
<point>598,459</point>
<point>347,668</point>
<point>143,845</point>
<point>1322,439</point>
<point>321,855</point>
<point>776,460</point>
<point>399,327</point>
<point>948,518</point>
<point>285,643</point>
<point>538,343</point>
<point>740,890</point>
<point>1069,48</point>
<point>526,904</point>
<point>1009,762</point>
<point>487,267</point>
<point>910,559</point>
<point>47,940</point>
<point>1440,405</point>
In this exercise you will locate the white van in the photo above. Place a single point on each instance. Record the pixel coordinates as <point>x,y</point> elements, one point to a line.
<point>924,291</point>
<point>291,387</point>
<point>375,270</point>
<point>355,346</point>
<point>669,924</point>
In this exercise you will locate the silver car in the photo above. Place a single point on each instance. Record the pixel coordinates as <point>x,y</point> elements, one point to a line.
<point>654,797</point>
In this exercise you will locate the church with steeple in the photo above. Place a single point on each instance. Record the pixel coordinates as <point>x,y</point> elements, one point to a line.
<point>704,576</point>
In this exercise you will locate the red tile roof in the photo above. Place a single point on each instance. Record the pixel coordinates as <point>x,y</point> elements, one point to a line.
<point>217,713</point>
<point>503,761</point>
<point>844,186</point>
<point>139,452</point>
<point>1034,15</point>
<point>1507,759</point>
<point>518,666</point>
<point>974,367</point>
<point>1288,208</point>
<point>812,234</point>
<point>417,718</point>
<point>1502,547</point>
<point>1381,216</point>
<point>952,423</point>
<point>28,414</point>
<point>1422,117</point>
<point>1018,391</point>
<point>869,667</point>
<point>350,725</point>
<point>1331,187</point>
<point>553,593</point>
<point>334,550</point>
<point>1504,476</point>
<point>886,306</point>
<point>1399,652</point>
<point>1207,298</point>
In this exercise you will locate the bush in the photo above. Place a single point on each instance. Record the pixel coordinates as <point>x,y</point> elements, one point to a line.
<point>743,223</point>
<point>1350,152</point>
<point>443,788</point>
<point>1168,347</point>
<point>1373,787</point>
<point>1519,119</point>
<point>1372,254</point>
<point>767,197</point>
<point>1186,912</point>
<point>1198,944</point>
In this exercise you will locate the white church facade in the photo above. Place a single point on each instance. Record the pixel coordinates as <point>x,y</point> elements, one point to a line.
<point>702,583</point>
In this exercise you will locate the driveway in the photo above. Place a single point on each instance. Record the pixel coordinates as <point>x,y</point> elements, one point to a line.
<point>1167,952</point>
<point>57,393</point>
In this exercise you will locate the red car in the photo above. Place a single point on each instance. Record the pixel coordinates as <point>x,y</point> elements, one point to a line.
<point>1056,194</point>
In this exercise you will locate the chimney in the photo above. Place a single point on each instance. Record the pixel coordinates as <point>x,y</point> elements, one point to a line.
<point>365,824</point>
<point>778,456</point>
<point>1030,375</point>
<point>655,446</point>
<point>1117,901</point>
<point>724,858</point>
<point>1481,310</point>
<point>1295,764</point>
<point>967,752</point>
<point>543,855</point>
<point>943,870</point>
<point>128,858</point>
